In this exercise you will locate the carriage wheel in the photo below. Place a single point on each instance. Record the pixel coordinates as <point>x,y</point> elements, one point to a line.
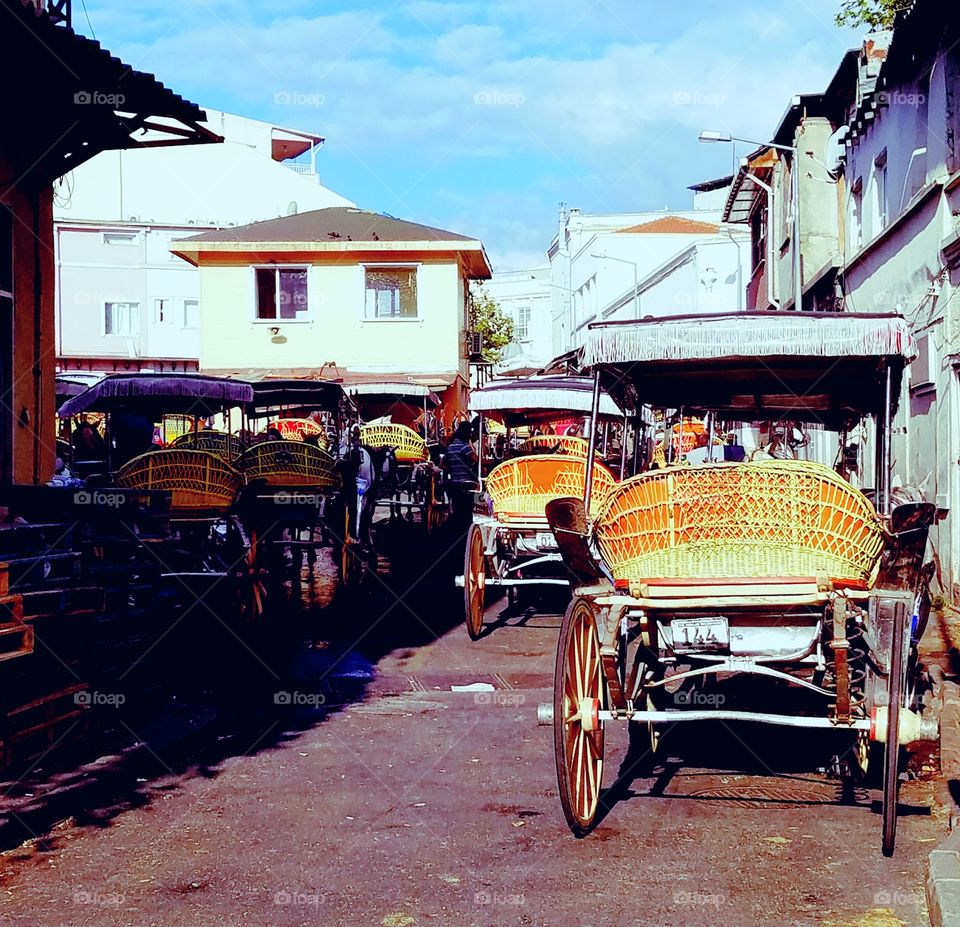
<point>253,592</point>
<point>896,689</point>
<point>474,583</point>
<point>577,732</point>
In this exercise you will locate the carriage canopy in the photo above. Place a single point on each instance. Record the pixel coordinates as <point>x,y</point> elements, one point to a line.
<point>157,394</point>
<point>518,401</point>
<point>823,367</point>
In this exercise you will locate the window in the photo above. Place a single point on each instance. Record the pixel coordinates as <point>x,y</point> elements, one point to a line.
<point>121,319</point>
<point>281,293</point>
<point>523,324</point>
<point>880,211</point>
<point>390,293</point>
<point>119,238</point>
<point>162,311</point>
<point>855,218</point>
<point>191,313</point>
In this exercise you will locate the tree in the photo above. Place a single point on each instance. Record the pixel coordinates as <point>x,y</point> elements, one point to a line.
<point>493,324</point>
<point>877,14</point>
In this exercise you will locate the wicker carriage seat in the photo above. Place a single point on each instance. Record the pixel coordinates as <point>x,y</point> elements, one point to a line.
<point>776,520</point>
<point>290,463</point>
<point>522,487</point>
<point>410,447</point>
<point>198,481</point>
<point>299,429</point>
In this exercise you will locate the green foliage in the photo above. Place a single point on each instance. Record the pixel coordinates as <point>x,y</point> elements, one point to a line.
<point>876,14</point>
<point>495,327</point>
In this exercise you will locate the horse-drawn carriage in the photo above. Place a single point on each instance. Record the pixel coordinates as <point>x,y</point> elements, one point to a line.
<point>777,570</point>
<point>203,542</point>
<point>511,545</point>
<point>295,501</point>
<point>402,428</point>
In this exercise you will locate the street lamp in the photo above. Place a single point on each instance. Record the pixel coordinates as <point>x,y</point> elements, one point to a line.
<point>710,137</point>
<point>603,256</point>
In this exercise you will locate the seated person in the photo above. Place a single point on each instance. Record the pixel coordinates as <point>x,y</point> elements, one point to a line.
<point>732,451</point>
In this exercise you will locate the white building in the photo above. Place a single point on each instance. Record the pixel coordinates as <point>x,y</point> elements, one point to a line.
<point>524,295</point>
<point>644,265</point>
<point>124,302</point>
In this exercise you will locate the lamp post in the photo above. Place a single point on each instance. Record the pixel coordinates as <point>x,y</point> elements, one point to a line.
<point>709,137</point>
<point>603,256</point>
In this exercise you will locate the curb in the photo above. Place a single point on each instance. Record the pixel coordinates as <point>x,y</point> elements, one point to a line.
<point>943,866</point>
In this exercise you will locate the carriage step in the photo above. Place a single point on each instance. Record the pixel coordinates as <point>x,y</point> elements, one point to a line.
<point>16,640</point>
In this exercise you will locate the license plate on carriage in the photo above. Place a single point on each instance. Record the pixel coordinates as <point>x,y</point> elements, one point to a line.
<point>546,540</point>
<point>700,635</point>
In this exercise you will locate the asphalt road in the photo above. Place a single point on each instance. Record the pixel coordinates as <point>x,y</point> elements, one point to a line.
<point>355,788</point>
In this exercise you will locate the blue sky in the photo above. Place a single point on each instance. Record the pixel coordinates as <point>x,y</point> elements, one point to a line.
<point>481,117</point>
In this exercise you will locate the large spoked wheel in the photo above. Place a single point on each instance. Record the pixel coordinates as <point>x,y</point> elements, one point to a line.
<point>896,692</point>
<point>578,732</point>
<point>252,590</point>
<point>474,583</point>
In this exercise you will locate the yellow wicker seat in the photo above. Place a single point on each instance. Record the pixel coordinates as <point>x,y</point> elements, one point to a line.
<point>290,463</point>
<point>522,487</point>
<point>197,480</point>
<point>555,444</point>
<point>216,442</point>
<point>410,447</point>
<point>771,519</point>
<point>296,429</point>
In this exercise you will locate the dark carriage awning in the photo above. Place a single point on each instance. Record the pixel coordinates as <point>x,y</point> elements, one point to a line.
<point>294,397</point>
<point>537,396</point>
<point>156,395</point>
<point>74,99</point>
<point>827,368</point>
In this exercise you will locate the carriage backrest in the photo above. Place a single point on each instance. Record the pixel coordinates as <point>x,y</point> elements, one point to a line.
<point>521,488</point>
<point>289,463</point>
<point>216,442</point>
<point>772,518</point>
<point>296,429</point>
<point>555,444</point>
<point>408,445</point>
<point>196,480</point>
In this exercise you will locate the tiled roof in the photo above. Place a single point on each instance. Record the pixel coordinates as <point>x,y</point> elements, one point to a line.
<point>337,223</point>
<point>673,225</point>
